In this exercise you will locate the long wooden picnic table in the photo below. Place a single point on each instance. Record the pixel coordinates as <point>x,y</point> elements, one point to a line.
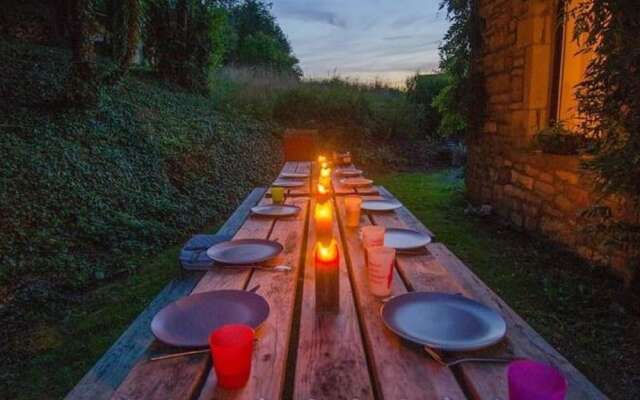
<point>302,354</point>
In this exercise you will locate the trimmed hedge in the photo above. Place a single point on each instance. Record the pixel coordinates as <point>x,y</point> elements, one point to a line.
<point>82,191</point>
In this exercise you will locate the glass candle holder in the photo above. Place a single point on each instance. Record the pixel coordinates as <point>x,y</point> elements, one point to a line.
<point>277,195</point>
<point>352,206</point>
<point>323,218</point>
<point>232,351</point>
<point>380,269</point>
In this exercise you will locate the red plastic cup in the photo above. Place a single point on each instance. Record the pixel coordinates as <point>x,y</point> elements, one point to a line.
<point>232,350</point>
<point>532,380</point>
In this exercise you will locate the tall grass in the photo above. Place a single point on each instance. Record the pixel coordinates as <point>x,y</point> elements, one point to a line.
<point>379,120</point>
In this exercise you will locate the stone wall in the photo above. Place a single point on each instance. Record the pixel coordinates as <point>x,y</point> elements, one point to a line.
<point>531,190</point>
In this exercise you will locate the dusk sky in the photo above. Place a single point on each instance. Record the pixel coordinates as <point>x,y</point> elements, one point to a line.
<point>364,39</point>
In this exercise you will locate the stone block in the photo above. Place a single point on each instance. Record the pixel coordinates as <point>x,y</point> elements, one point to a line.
<point>551,211</point>
<point>563,203</point>
<point>544,189</point>
<point>568,176</point>
<point>579,196</point>
<point>513,191</point>
<point>522,180</point>
<point>529,170</point>
<point>517,219</point>
<point>544,177</point>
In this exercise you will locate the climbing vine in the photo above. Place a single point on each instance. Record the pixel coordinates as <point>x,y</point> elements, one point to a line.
<point>609,101</point>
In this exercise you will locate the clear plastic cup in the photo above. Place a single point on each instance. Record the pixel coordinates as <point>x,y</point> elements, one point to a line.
<point>352,206</point>
<point>380,269</point>
<point>232,351</point>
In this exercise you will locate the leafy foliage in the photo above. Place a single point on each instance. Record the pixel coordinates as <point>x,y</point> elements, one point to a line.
<point>461,103</point>
<point>423,89</point>
<point>260,41</point>
<point>557,139</point>
<point>609,100</point>
<point>83,190</point>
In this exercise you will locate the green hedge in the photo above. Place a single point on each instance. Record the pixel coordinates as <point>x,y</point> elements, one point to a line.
<point>83,191</point>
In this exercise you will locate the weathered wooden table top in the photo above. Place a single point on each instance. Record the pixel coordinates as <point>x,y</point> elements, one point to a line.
<point>301,354</point>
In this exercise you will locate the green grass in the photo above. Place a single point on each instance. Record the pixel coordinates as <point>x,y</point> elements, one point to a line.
<point>63,350</point>
<point>570,303</point>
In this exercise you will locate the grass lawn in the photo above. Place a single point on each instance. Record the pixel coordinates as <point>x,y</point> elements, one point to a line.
<point>571,304</point>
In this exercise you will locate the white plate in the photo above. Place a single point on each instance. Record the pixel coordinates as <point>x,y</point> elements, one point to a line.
<point>356,182</point>
<point>405,239</point>
<point>274,210</point>
<point>294,175</point>
<point>287,183</point>
<point>380,205</point>
<point>349,172</point>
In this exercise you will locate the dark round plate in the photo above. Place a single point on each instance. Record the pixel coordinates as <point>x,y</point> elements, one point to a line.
<point>244,251</point>
<point>288,183</point>
<point>380,205</point>
<point>356,182</point>
<point>189,321</point>
<point>274,210</point>
<point>294,175</point>
<point>443,321</point>
<point>349,172</point>
<point>405,239</point>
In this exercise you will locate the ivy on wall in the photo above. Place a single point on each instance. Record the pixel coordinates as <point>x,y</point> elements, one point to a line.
<point>609,99</point>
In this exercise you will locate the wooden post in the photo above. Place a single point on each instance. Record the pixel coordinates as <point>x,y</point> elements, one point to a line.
<point>327,264</point>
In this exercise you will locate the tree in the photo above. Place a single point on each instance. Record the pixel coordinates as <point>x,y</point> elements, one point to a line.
<point>462,101</point>
<point>82,86</point>
<point>124,23</point>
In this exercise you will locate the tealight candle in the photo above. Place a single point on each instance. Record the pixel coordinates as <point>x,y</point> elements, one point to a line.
<point>327,263</point>
<point>325,177</point>
<point>322,193</point>
<point>323,217</point>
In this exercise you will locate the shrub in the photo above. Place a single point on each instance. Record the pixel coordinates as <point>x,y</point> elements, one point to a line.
<point>556,139</point>
<point>83,191</point>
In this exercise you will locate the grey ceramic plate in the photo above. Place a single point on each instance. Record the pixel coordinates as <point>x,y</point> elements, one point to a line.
<point>244,251</point>
<point>294,175</point>
<point>287,183</point>
<point>356,182</point>
<point>349,172</point>
<point>380,205</point>
<point>405,239</point>
<point>273,210</point>
<point>189,321</point>
<point>443,321</point>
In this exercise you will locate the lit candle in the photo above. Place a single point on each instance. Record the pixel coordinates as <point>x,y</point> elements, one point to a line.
<point>323,217</point>
<point>322,159</point>
<point>322,193</point>
<point>327,262</point>
<point>325,177</point>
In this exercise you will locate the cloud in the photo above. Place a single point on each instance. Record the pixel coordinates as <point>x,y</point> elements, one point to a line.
<point>315,15</point>
<point>398,37</point>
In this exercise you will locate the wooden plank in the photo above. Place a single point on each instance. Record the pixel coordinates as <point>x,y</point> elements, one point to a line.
<point>182,377</point>
<point>521,340</point>
<point>401,370</point>
<point>440,270</point>
<point>114,365</point>
<point>331,362</point>
<point>302,166</point>
<point>279,289</point>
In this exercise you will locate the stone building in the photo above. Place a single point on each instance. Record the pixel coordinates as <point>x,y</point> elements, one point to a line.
<point>530,65</point>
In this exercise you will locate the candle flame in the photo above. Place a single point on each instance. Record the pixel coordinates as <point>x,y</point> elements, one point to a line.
<point>325,172</point>
<point>322,159</point>
<point>327,253</point>
<point>322,189</point>
<point>324,211</point>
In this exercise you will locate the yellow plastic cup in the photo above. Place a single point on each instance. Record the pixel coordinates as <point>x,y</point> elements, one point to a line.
<point>277,195</point>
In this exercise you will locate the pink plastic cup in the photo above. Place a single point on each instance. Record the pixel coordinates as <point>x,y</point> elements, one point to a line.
<point>232,350</point>
<point>532,380</point>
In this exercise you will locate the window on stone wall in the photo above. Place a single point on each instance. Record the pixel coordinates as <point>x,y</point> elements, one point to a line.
<point>569,66</point>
